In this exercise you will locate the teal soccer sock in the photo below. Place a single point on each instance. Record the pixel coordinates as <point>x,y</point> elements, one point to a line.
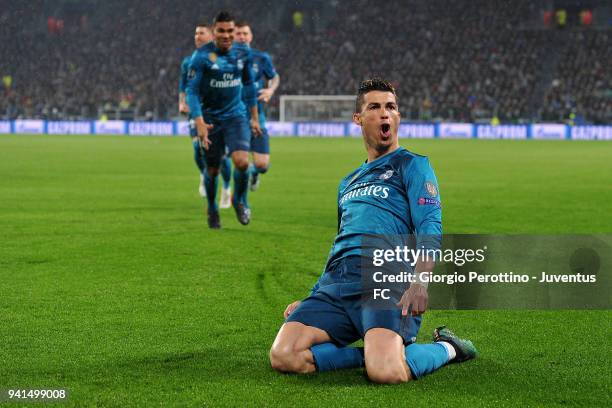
<point>241,182</point>
<point>210,184</point>
<point>424,359</point>
<point>259,170</point>
<point>421,358</point>
<point>226,172</point>
<point>198,156</point>
<point>329,357</point>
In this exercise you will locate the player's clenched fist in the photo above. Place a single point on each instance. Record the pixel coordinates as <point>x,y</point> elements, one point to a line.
<point>291,307</point>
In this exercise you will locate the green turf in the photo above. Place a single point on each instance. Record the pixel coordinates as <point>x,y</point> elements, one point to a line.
<point>112,286</point>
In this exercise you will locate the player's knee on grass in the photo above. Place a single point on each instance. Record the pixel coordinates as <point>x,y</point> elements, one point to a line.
<point>292,356</point>
<point>290,352</point>
<point>384,357</point>
<point>391,370</point>
<point>286,359</point>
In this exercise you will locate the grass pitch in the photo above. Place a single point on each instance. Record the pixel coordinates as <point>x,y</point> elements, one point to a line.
<point>112,286</point>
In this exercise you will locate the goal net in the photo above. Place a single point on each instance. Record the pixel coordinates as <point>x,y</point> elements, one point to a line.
<point>316,108</point>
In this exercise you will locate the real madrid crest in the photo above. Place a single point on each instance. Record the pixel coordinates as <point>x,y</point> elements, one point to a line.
<point>386,175</point>
<point>212,57</point>
<point>431,189</point>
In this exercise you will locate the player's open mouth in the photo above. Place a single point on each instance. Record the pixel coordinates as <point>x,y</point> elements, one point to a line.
<point>385,130</point>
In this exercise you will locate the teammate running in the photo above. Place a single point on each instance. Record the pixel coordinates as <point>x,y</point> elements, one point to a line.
<point>219,72</point>
<point>203,35</point>
<point>267,81</point>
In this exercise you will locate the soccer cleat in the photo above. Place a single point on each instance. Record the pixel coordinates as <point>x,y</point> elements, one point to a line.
<point>254,181</point>
<point>464,348</point>
<point>226,198</point>
<point>214,222</point>
<point>243,213</point>
<point>202,188</point>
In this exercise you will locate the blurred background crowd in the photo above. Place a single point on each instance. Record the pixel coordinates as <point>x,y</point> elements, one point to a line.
<point>467,61</point>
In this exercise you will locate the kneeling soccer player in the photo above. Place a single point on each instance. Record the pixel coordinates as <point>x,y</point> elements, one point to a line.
<point>398,194</point>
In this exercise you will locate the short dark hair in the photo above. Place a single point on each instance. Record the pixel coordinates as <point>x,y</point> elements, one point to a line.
<point>203,25</point>
<point>242,23</point>
<point>369,85</point>
<point>223,17</point>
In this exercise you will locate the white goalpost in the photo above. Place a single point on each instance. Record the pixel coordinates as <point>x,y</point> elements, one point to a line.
<point>315,108</point>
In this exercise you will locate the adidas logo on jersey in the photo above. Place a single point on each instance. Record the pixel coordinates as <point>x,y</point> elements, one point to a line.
<point>214,66</point>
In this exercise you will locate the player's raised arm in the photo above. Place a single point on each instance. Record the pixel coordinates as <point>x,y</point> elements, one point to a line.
<point>424,199</point>
<point>194,77</point>
<point>250,94</point>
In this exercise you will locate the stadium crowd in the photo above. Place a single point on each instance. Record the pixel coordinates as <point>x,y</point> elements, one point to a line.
<point>463,61</point>
<point>581,89</point>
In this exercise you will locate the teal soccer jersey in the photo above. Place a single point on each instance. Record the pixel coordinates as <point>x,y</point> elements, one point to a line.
<point>184,70</point>
<point>218,80</point>
<point>263,69</point>
<point>183,78</point>
<point>396,194</point>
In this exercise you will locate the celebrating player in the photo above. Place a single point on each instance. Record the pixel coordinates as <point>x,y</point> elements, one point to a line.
<point>395,192</point>
<point>201,37</point>
<point>219,72</point>
<point>267,81</point>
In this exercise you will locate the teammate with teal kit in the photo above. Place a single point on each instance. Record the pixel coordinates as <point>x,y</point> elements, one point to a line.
<point>203,35</point>
<point>395,192</point>
<point>267,81</point>
<point>219,73</point>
